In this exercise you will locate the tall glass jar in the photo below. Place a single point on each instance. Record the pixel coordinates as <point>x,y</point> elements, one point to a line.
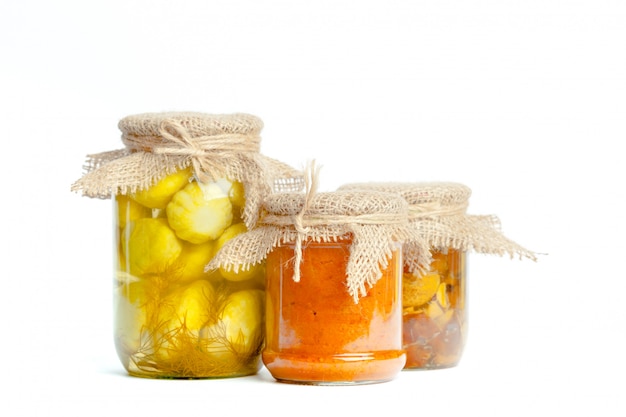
<point>186,184</point>
<point>172,319</point>
<point>316,333</point>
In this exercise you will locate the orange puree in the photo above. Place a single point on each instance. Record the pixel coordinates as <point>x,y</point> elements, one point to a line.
<point>316,333</point>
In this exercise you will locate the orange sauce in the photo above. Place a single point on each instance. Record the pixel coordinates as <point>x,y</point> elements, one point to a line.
<point>316,333</point>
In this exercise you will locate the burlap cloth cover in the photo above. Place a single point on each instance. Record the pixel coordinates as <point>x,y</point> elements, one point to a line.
<point>437,212</point>
<point>215,145</point>
<point>376,222</point>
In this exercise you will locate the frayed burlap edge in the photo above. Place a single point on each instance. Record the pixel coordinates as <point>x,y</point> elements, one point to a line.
<point>476,233</point>
<point>372,247</point>
<point>375,234</point>
<point>437,212</point>
<point>215,146</point>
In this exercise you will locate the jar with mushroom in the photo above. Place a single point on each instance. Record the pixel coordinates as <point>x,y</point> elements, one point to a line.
<point>434,295</point>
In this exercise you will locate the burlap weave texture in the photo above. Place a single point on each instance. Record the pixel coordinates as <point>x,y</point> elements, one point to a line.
<point>438,213</point>
<point>215,145</point>
<point>375,221</point>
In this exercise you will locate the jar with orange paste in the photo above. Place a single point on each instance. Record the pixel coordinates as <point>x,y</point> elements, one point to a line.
<point>434,298</point>
<point>317,333</point>
<point>334,271</point>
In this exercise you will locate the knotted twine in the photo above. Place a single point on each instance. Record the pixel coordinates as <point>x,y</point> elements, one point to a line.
<point>375,221</point>
<point>437,212</point>
<point>215,146</point>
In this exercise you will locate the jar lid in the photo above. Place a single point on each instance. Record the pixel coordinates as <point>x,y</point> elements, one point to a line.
<point>375,221</point>
<point>427,194</point>
<point>150,129</point>
<point>215,145</point>
<point>345,205</point>
<point>437,211</point>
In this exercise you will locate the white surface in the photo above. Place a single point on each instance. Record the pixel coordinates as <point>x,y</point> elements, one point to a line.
<point>521,100</point>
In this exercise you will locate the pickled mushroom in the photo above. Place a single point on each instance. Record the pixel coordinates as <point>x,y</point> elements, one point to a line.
<point>419,289</point>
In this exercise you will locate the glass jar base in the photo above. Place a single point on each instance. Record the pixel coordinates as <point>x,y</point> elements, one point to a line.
<point>431,367</point>
<point>211,371</point>
<point>331,383</point>
<point>182,377</point>
<point>334,369</point>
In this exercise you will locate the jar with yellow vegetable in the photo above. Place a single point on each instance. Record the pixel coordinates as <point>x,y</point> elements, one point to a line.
<point>185,185</point>
<point>434,296</point>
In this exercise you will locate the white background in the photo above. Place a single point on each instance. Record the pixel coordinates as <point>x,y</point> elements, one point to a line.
<point>523,101</point>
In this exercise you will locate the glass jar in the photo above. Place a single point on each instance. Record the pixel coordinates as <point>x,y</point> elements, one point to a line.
<point>316,333</point>
<point>184,186</point>
<point>434,296</point>
<point>434,312</point>
<point>172,319</point>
